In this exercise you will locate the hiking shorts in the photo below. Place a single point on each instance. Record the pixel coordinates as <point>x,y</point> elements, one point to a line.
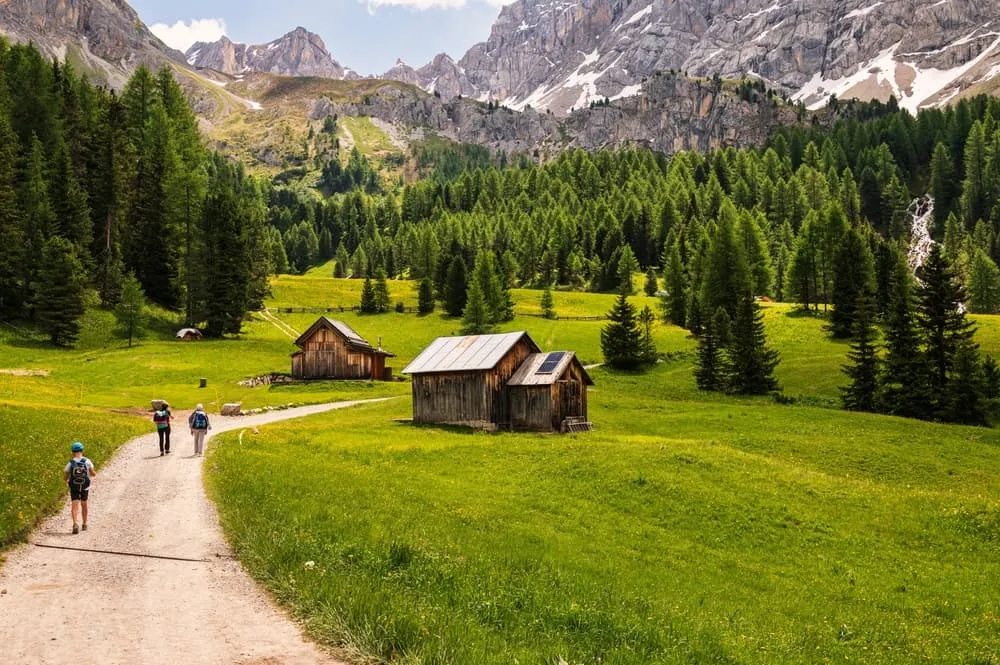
<point>77,493</point>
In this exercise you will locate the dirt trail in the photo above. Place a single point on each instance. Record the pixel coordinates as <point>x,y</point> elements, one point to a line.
<point>61,606</point>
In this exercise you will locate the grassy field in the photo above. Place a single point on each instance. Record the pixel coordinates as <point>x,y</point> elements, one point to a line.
<point>34,448</point>
<point>680,531</point>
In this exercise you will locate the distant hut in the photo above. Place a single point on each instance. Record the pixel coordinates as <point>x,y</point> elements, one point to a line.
<point>189,334</point>
<point>468,381</point>
<point>333,350</point>
<point>548,390</point>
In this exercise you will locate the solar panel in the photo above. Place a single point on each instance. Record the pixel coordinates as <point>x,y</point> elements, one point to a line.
<point>551,362</point>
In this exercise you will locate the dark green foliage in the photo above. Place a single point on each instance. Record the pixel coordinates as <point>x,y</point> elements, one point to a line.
<point>227,260</point>
<point>752,363</point>
<point>547,305</point>
<point>675,302</point>
<point>853,278</point>
<point>941,318</point>
<point>991,377</point>
<point>425,296</point>
<point>621,338</point>
<point>651,285</point>
<point>455,288</point>
<point>131,309</point>
<point>863,368</point>
<point>61,292</point>
<point>382,299</point>
<point>476,319</point>
<point>903,386</point>
<point>369,300</point>
<point>711,371</point>
<point>647,321</point>
<point>967,387</point>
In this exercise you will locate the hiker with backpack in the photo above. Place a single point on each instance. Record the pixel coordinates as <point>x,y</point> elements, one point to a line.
<point>162,419</point>
<point>198,422</point>
<point>77,475</point>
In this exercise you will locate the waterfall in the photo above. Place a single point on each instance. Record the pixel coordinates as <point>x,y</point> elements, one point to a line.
<point>921,212</point>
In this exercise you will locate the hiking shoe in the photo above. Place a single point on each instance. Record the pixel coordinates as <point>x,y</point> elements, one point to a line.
<point>161,453</point>
<point>84,527</point>
<point>76,529</point>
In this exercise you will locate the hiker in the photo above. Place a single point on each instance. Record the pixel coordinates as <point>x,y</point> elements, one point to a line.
<point>162,419</point>
<point>77,475</point>
<point>198,422</point>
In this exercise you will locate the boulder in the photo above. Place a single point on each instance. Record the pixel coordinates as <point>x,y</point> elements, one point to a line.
<point>231,409</point>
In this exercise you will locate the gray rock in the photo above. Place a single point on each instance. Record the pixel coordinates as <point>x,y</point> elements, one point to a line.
<point>231,409</point>
<point>298,53</point>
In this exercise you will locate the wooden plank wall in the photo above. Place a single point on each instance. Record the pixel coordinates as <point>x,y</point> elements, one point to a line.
<point>326,355</point>
<point>530,408</point>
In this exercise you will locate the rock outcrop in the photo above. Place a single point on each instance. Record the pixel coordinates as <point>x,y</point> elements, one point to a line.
<point>298,53</point>
<point>563,54</point>
<point>106,36</point>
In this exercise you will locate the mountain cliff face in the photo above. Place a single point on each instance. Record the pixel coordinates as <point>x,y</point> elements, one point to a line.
<point>103,37</point>
<point>563,54</point>
<point>298,53</point>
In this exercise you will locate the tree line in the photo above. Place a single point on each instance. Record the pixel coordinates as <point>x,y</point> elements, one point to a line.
<point>97,186</point>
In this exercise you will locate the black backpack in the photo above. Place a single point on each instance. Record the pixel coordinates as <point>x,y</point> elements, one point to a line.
<point>78,472</point>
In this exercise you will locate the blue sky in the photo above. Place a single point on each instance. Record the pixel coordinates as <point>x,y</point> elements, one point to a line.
<point>366,35</point>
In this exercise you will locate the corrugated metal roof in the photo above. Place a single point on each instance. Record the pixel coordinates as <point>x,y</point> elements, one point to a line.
<point>347,332</point>
<point>465,354</point>
<point>527,374</point>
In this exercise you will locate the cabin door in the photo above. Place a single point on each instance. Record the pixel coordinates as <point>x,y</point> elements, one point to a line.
<point>570,402</point>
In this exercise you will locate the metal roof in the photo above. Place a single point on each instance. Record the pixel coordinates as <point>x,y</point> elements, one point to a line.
<point>465,354</point>
<point>347,332</point>
<point>527,374</point>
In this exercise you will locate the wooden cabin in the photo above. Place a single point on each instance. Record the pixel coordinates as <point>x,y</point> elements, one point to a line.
<point>468,381</point>
<point>333,350</point>
<point>547,390</point>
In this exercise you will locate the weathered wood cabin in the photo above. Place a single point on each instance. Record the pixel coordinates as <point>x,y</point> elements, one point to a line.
<point>493,382</point>
<point>333,350</point>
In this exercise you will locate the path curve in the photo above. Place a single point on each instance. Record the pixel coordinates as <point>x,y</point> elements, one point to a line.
<point>70,607</point>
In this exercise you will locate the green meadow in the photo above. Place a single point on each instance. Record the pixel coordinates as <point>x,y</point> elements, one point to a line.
<point>687,528</point>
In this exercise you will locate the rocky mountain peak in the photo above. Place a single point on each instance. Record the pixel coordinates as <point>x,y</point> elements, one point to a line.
<point>297,53</point>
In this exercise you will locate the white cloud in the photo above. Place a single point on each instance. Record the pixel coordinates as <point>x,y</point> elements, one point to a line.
<point>182,35</point>
<point>500,3</point>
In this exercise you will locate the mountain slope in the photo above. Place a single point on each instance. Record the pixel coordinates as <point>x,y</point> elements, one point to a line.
<point>104,38</point>
<point>298,53</point>
<point>563,54</point>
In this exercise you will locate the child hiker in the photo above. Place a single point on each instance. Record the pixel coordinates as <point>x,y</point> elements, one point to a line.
<point>77,475</point>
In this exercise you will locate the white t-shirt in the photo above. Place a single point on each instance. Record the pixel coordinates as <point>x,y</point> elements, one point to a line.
<point>69,465</point>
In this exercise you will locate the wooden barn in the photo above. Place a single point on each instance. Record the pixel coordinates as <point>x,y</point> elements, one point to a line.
<point>333,350</point>
<point>493,382</point>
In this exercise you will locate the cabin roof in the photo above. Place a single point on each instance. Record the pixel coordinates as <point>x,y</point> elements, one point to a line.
<point>544,369</point>
<point>466,354</point>
<point>354,340</point>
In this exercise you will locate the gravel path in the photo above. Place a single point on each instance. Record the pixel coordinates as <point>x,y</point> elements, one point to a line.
<point>61,606</point>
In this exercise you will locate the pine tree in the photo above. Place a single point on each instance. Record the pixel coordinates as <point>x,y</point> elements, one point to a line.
<point>652,284</point>
<point>711,371</point>
<point>967,389</point>
<point>490,286</point>
<point>621,341</point>
<point>863,371</point>
<point>476,319</point>
<point>382,299</point>
<point>547,305</point>
<point>425,296</point>
<point>369,300</point>
<point>131,309</point>
<point>903,383</point>
<point>853,276</point>
<point>991,376</point>
<point>61,292</point>
<point>942,319</point>
<point>455,288</point>
<point>984,284</point>
<point>228,258</point>
<point>12,267</point>
<point>675,302</point>
<point>752,362</point>
<point>648,344</point>
<point>725,274</point>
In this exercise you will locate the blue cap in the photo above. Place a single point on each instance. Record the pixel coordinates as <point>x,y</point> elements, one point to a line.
<point>77,447</point>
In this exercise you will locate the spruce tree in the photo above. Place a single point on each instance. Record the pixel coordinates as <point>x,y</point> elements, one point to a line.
<point>652,284</point>
<point>752,362</point>
<point>903,384</point>
<point>967,388</point>
<point>12,239</point>
<point>942,319</point>
<point>648,344</point>
<point>675,302</point>
<point>425,296</point>
<point>131,309</point>
<point>455,288</point>
<point>621,339</point>
<point>853,276</point>
<point>228,258</point>
<point>546,303</point>
<point>382,299</point>
<point>476,319</point>
<point>61,292</point>
<point>984,283</point>
<point>725,274</point>
<point>369,300</point>
<point>710,371</point>
<point>991,376</point>
<point>863,371</point>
